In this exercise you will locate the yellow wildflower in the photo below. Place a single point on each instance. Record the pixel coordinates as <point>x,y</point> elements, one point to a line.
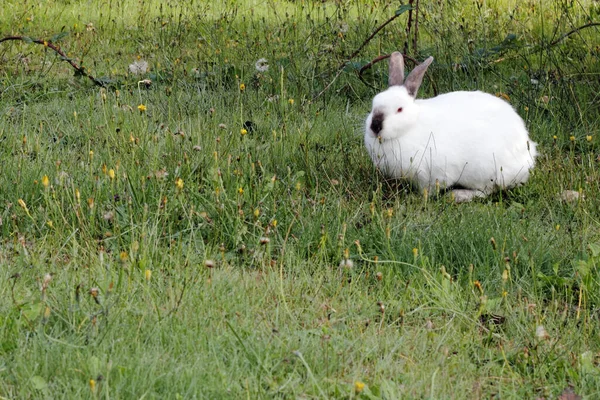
<point>23,205</point>
<point>242,87</point>
<point>179,183</point>
<point>45,181</point>
<point>243,131</point>
<point>148,275</point>
<point>358,387</point>
<point>141,108</point>
<point>111,173</point>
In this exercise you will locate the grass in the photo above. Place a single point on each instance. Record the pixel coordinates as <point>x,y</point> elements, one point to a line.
<point>160,252</point>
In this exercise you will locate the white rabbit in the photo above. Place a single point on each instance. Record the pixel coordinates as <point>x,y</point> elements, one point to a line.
<point>472,142</point>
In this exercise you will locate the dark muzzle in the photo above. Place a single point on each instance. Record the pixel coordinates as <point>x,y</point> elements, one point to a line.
<point>377,123</point>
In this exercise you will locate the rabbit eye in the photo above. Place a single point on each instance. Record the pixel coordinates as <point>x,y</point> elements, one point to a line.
<point>399,109</point>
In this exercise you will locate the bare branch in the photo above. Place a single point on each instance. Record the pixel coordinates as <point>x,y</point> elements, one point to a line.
<point>590,24</point>
<point>80,69</point>
<point>340,69</point>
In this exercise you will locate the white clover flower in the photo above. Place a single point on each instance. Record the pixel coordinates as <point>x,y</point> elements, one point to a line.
<point>262,65</point>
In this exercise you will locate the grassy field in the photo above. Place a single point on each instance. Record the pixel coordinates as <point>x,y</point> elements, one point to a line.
<point>221,232</point>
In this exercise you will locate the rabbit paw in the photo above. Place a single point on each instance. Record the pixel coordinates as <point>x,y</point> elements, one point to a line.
<point>465,195</point>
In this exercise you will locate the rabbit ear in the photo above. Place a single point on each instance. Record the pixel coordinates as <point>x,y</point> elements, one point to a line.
<point>414,79</point>
<point>396,75</point>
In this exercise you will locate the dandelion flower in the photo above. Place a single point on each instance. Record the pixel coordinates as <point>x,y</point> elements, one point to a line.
<point>111,173</point>
<point>262,65</point>
<point>107,216</point>
<point>291,101</point>
<point>572,138</point>
<point>541,333</point>
<point>240,190</point>
<point>146,82</point>
<point>243,131</point>
<point>589,138</point>
<point>138,67</point>
<point>179,183</point>
<point>242,87</point>
<point>141,108</point>
<point>148,274</point>
<point>45,181</point>
<point>358,387</point>
<point>23,205</point>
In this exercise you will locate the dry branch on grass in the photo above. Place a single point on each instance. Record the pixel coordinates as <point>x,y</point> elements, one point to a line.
<point>80,70</point>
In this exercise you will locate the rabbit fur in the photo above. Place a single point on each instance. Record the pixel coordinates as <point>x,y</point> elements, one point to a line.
<point>472,142</point>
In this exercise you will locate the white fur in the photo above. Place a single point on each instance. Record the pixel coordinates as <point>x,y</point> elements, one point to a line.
<point>469,139</point>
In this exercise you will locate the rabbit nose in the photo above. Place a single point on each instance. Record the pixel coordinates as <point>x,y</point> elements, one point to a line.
<point>377,124</point>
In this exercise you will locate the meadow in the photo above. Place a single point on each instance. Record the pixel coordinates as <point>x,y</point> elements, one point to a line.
<point>203,221</point>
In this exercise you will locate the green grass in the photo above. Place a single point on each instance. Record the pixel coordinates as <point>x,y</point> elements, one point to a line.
<point>109,215</point>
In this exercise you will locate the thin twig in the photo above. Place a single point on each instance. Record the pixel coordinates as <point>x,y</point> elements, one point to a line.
<point>80,69</point>
<point>178,303</point>
<point>337,75</point>
<point>341,67</point>
<point>574,31</point>
<point>408,25</point>
<point>416,36</point>
<point>367,40</point>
